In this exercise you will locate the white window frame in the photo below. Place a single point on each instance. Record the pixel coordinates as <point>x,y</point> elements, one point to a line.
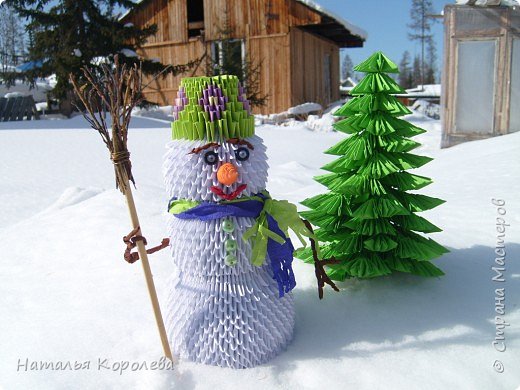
<point>218,44</point>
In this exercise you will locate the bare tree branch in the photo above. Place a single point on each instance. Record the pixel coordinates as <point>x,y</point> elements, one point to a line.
<point>319,269</point>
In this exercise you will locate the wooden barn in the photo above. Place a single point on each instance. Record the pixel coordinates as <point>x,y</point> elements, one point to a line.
<point>296,42</point>
<point>481,76</point>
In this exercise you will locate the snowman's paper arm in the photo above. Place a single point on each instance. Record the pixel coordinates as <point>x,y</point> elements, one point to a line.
<point>319,270</point>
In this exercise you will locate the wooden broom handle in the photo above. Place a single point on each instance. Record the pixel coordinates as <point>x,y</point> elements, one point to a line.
<point>148,275</point>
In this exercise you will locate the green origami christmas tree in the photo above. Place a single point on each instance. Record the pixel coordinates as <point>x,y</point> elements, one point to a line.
<point>368,220</point>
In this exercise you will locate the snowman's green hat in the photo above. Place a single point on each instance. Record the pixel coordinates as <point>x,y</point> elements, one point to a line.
<point>212,108</point>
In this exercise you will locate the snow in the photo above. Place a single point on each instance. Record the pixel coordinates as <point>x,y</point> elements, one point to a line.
<point>162,112</point>
<point>67,295</point>
<point>20,88</point>
<point>348,25</point>
<point>13,95</point>
<point>128,52</point>
<point>321,124</point>
<point>347,85</point>
<point>42,107</point>
<point>7,68</point>
<point>425,90</point>
<point>291,117</point>
<point>431,110</point>
<point>305,108</point>
<point>51,80</point>
<point>509,3</point>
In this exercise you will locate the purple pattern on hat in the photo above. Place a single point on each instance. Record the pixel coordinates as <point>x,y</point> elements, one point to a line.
<point>180,102</point>
<point>213,101</point>
<point>242,98</point>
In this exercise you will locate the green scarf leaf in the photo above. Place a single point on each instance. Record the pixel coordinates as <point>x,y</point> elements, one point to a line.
<point>284,213</point>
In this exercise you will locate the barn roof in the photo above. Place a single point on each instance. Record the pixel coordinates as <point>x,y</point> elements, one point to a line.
<point>332,27</point>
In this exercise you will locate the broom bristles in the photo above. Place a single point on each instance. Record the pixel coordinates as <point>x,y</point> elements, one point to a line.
<point>114,92</point>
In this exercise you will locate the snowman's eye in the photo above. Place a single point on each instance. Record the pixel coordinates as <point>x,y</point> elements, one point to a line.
<point>242,154</point>
<point>210,158</point>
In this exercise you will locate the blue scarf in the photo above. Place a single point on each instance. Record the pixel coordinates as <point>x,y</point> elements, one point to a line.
<point>267,235</point>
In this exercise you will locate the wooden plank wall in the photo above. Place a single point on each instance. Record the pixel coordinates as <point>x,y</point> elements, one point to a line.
<point>255,17</point>
<point>218,13</point>
<point>164,89</point>
<point>170,16</point>
<point>170,45</point>
<point>274,52</point>
<point>307,58</point>
<point>268,29</point>
<point>245,18</point>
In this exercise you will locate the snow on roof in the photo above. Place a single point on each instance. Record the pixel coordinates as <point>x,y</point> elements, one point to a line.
<point>349,26</point>
<point>305,108</point>
<point>426,90</point>
<point>128,52</point>
<point>125,14</point>
<point>348,82</point>
<point>485,3</point>
<point>355,30</point>
<point>8,68</point>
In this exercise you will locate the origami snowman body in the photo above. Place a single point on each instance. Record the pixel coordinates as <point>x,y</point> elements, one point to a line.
<point>230,303</point>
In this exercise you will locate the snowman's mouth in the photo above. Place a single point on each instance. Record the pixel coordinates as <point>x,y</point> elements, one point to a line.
<point>219,192</point>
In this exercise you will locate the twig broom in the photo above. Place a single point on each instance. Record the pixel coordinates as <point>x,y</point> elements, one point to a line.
<point>116,92</point>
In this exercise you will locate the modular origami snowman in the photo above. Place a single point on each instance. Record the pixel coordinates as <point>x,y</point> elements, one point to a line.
<point>230,304</point>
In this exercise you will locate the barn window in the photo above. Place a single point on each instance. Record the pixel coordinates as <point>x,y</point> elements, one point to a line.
<point>514,112</point>
<point>228,57</point>
<point>475,100</point>
<point>327,77</point>
<point>195,17</point>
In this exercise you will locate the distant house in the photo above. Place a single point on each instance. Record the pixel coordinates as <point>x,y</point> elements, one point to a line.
<point>345,86</point>
<point>428,92</point>
<point>481,75</point>
<point>296,41</point>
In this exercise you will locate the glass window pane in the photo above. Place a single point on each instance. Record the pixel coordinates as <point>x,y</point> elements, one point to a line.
<point>515,19</point>
<point>475,87</point>
<point>476,18</point>
<point>327,76</point>
<point>514,110</point>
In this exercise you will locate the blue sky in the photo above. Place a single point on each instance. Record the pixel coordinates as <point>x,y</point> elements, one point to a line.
<point>386,23</point>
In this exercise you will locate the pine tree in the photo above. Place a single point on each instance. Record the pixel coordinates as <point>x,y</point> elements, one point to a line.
<point>405,77</point>
<point>347,67</point>
<point>12,45</point>
<point>416,72</point>
<point>431,62</point>
<point>368,220</point>
<point>70,34</point>
<point>421,24</point>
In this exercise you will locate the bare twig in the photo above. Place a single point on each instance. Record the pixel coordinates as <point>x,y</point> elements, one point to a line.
<point>319,271</point>
<point>115,92</point>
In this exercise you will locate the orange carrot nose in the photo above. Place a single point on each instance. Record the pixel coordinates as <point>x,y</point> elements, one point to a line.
<point>227,174</point>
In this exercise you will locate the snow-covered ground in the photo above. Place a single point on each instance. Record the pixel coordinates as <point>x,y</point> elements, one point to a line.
<point>39,90</point>
<point>66,295</point>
